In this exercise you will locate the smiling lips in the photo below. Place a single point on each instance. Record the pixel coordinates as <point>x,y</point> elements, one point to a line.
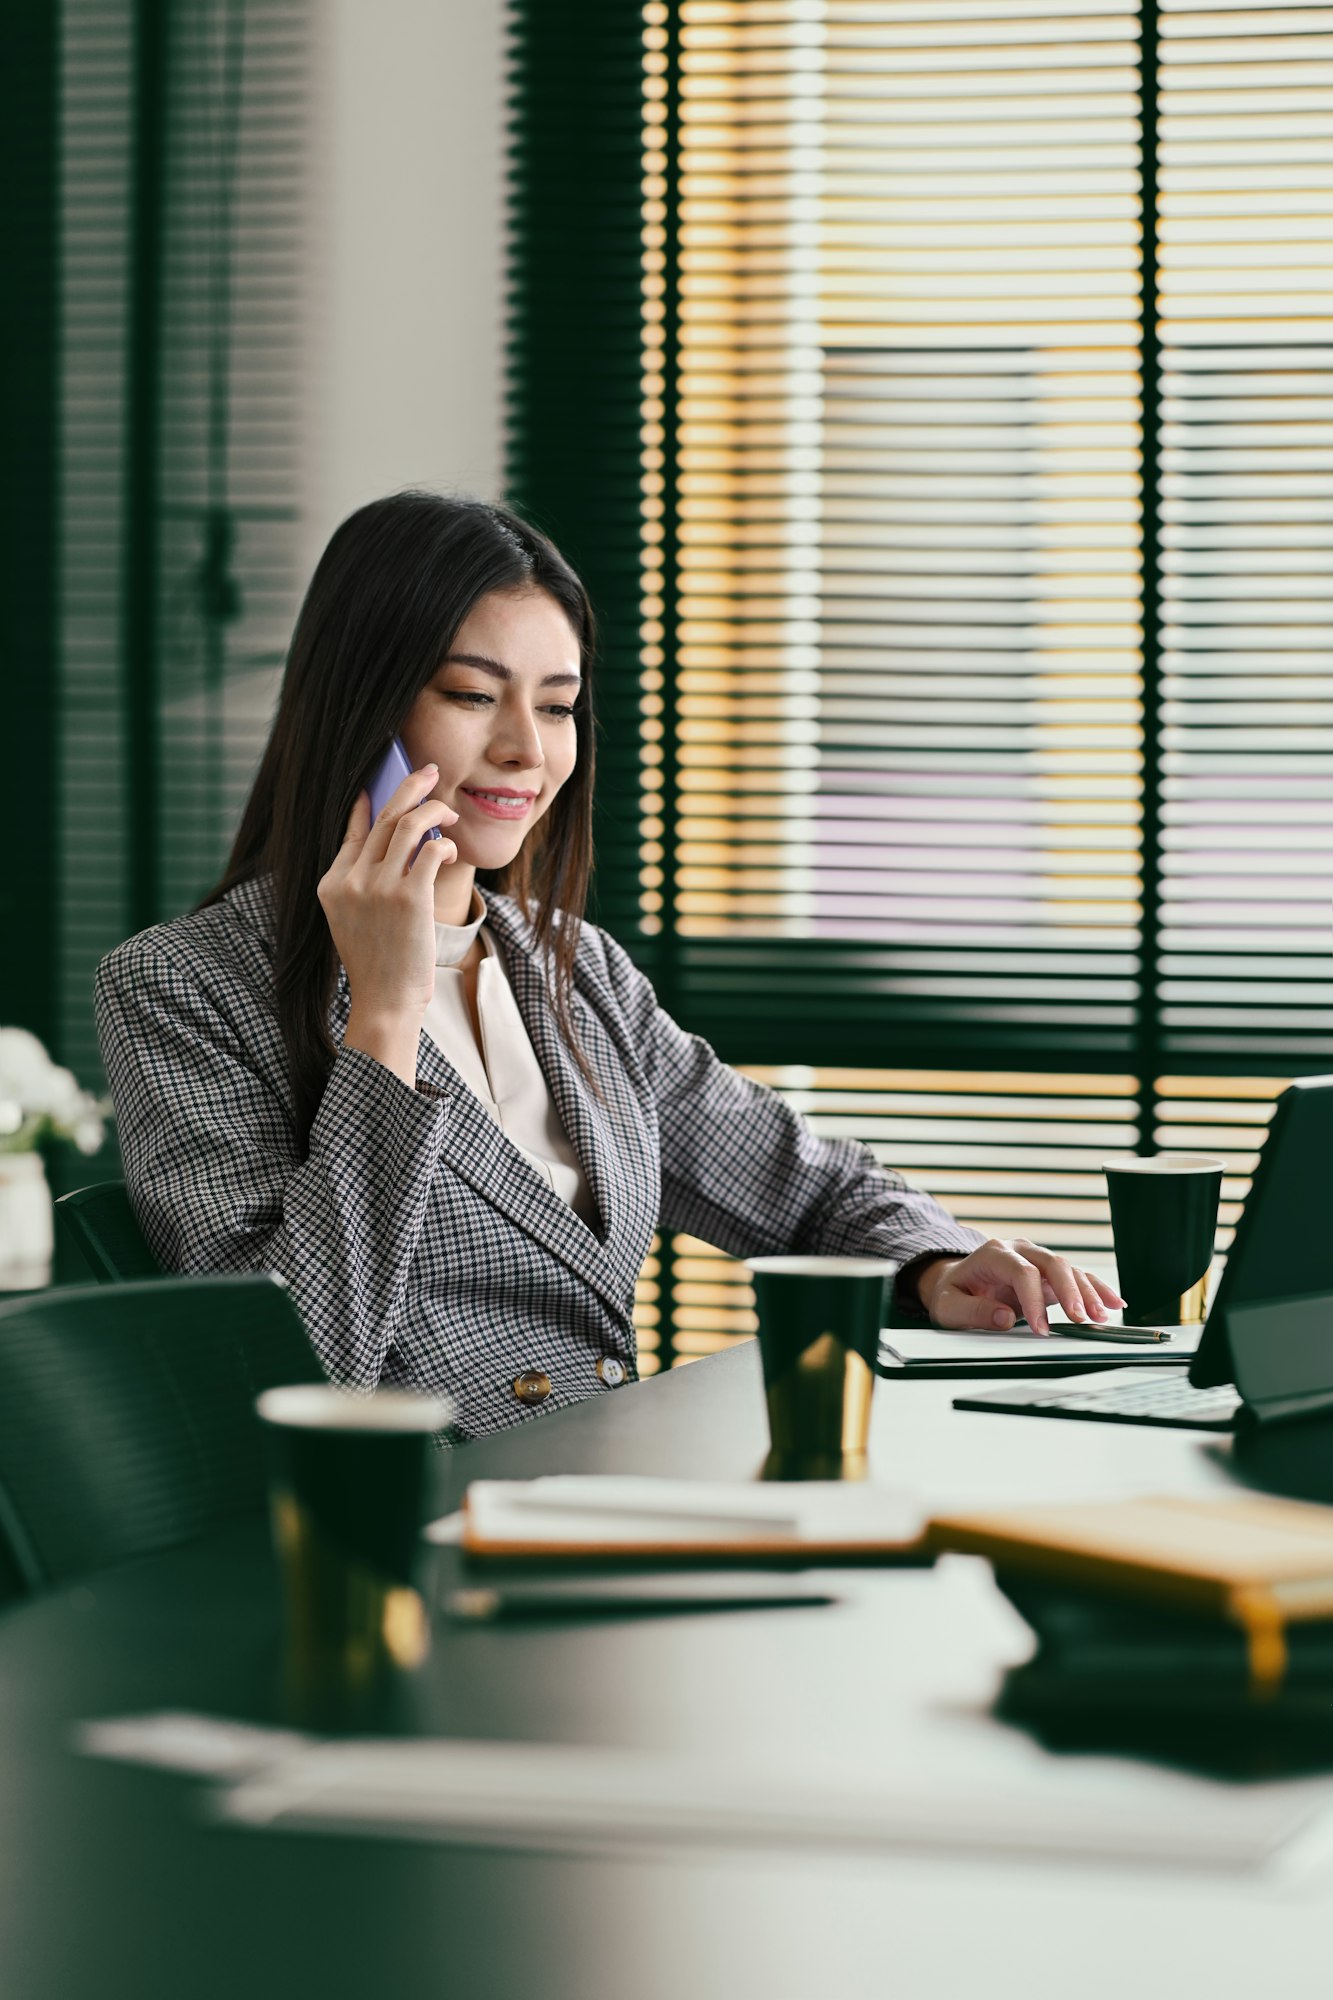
<point>502,804</point>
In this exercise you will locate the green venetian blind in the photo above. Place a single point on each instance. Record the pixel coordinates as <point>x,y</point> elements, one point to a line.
<point>233,367</point>
<point>184,191</point>
<point>574,365</point>
<point>579,171</point>
<point>29,167</point>
<point>97,88</point>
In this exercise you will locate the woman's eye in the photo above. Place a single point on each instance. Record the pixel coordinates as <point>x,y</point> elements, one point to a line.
<point>476,699</point>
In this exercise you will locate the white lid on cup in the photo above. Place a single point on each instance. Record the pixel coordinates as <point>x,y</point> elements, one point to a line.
<point>1164,1163</point>
<point>321,1406</point>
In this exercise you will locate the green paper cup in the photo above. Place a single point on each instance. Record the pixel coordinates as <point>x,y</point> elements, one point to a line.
<point>819,1328</point>
<point>1164,1222</point>
<point>347,1492</point>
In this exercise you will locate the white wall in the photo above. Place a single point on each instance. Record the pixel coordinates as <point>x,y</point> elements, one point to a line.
<point>406,336</point>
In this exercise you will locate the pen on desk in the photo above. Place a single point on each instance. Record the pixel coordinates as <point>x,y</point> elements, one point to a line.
<point>1133,1336</point>
<point>628,1597</point>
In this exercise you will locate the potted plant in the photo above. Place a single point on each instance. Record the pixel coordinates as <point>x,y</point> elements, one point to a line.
<point>40,1103</point>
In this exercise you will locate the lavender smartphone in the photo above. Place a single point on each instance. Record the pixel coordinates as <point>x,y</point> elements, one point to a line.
<point>384,781</point>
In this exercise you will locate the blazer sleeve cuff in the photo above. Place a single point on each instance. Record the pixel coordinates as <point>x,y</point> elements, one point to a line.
<point>366,1107</point>
<point>905,1302</point>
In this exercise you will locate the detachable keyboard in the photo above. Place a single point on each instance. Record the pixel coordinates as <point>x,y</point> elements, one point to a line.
<point>1126,1396</point>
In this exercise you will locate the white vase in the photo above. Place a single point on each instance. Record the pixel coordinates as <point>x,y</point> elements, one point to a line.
<point>27,1223</point>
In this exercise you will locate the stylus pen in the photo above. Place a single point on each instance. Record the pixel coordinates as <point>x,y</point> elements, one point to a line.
<point>628,1597</point>
<point>1133,1336</point>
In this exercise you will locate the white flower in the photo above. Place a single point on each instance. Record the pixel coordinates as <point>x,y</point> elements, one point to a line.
<point>24,1066</point>
<point>88,1133</point>
<point>38,1098</point>
<point>64,1099</point>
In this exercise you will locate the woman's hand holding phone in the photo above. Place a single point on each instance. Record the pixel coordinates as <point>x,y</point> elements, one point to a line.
<point>379,899</point>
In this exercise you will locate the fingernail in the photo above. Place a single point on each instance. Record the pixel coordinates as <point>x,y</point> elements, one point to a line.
<point>1000,1319</point>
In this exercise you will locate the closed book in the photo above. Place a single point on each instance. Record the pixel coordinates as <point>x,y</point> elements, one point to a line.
<point>1224,1731</point>
<point>1091,1639</point>
<point>1256,1562</point>
<point>1114,1677</point>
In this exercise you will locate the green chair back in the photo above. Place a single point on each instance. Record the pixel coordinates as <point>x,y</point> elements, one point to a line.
<point>127,1419</point>
<point>101,1223</point>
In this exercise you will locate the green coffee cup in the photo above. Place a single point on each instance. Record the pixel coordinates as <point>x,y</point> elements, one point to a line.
<point>347,1492</point>
<point>819,1328</point>
<point>1164,1222</point>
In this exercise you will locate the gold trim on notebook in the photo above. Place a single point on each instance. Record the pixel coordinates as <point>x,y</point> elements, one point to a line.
<point>1259,1615</point>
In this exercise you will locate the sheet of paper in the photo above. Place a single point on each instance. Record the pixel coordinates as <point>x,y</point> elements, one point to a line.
<point>733,1501</point>
<point>208,1746</point>
<point>573,1797</point>
<point>596,1798</point>
<point>593,1508</point>
<point>447,1531</point>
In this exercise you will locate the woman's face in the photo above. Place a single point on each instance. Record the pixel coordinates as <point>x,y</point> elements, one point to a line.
<point>498,719</point>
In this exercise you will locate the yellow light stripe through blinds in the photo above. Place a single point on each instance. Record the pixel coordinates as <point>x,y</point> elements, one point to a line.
<point>908,520</point>
<point>1246,317</point>
<point>1014,1155</point>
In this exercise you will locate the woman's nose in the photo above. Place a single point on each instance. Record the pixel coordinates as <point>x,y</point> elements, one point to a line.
<point>517,741</point>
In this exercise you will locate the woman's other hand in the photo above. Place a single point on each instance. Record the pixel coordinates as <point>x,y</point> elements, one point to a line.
<point>380,906</point>
<point>1000,1283</point>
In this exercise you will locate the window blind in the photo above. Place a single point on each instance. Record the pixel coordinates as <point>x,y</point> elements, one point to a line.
<point>236,245</point>
<point>157,748</point>
<point>983,440</point>
<point>575,379</point>
<point>1246,319</point>
<point>908,464</point>
<point>29,166</point>
<point>97,62</point>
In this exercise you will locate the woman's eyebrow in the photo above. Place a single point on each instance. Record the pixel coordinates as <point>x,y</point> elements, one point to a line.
<point>500,672</point>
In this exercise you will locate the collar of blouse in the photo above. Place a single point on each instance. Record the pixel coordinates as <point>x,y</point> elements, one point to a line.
<point>453,942</point>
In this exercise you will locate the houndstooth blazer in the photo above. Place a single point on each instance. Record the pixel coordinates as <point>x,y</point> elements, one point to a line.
<point>422,1248</point>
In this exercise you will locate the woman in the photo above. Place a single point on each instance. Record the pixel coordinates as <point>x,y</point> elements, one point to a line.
<point>453,1120</point>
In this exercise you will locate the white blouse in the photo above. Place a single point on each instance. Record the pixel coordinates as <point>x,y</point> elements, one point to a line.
<point>504,1072</point>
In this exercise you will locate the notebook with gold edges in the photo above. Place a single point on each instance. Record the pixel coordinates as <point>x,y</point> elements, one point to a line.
<point>1256,1561</point>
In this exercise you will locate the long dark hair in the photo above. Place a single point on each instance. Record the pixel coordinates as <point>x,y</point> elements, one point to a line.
<point>392,589</point>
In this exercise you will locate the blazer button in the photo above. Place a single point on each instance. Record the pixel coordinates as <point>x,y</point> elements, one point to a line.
<point>534,1386</point>
<point>610,1372</point>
